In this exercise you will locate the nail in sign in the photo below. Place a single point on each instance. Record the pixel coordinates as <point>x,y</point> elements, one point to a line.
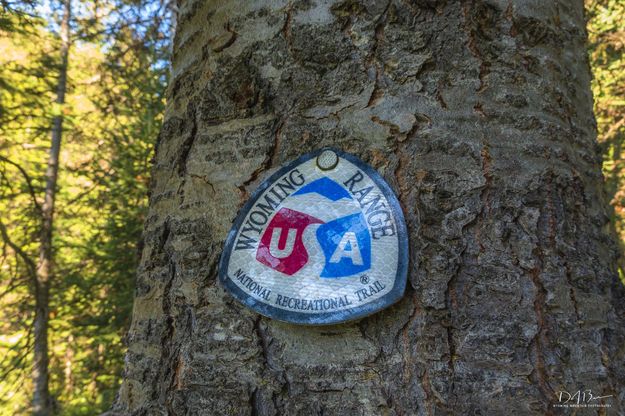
<point>321,241</point>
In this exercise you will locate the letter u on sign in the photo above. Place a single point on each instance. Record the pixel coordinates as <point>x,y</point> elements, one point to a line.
<point>287,247</point>
<point>293,255</point>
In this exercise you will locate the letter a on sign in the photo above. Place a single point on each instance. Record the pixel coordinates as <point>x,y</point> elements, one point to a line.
<point>313,237</point>
<point>353,252</point>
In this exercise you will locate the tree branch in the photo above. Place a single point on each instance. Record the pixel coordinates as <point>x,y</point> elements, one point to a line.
<point>31,189</point>
<point>32,267</point>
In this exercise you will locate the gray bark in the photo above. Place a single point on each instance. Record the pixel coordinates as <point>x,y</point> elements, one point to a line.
<point>479,115</point>
<point>42,402</point>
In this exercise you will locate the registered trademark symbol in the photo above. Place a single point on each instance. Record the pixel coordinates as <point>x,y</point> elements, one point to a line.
<point>364,279</point>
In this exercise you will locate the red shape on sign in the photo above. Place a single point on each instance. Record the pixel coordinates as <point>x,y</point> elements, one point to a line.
<point>281,245</point>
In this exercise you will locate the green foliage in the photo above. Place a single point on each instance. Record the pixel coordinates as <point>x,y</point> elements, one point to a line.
<point>606,32</point>
<point>113,110</point>
<point>24,122</point>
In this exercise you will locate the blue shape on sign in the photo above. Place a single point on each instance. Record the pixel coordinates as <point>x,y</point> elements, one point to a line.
<point>346,244</point>
<point>325,187</point>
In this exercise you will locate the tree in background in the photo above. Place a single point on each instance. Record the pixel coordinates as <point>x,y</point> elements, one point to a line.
<point>116,75</point>
<point>42,403</point>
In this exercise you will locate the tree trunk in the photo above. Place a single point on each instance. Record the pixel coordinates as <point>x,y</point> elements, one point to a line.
<point>479,115</point>
<point>42,403</point>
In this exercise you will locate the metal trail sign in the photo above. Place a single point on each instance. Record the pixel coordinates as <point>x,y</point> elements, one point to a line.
<point>322,241</point>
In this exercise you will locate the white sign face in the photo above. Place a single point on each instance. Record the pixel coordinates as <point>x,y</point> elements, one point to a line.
<point>321,241</point>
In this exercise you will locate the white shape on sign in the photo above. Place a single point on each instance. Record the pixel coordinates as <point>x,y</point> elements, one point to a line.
<point>352,252</point>
<point>275,239</point>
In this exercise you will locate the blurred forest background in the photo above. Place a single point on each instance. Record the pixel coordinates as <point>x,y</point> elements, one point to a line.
<point>117,72</point>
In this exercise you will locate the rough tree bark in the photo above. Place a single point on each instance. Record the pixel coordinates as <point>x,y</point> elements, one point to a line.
<point>42,403</point>
<point>479,114</point>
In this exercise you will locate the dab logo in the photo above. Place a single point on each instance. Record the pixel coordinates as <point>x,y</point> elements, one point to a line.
<point>345,241</point>
<point>321,241</point>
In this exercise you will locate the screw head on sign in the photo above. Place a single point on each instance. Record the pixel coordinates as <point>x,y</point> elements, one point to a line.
<point>327,160</point>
